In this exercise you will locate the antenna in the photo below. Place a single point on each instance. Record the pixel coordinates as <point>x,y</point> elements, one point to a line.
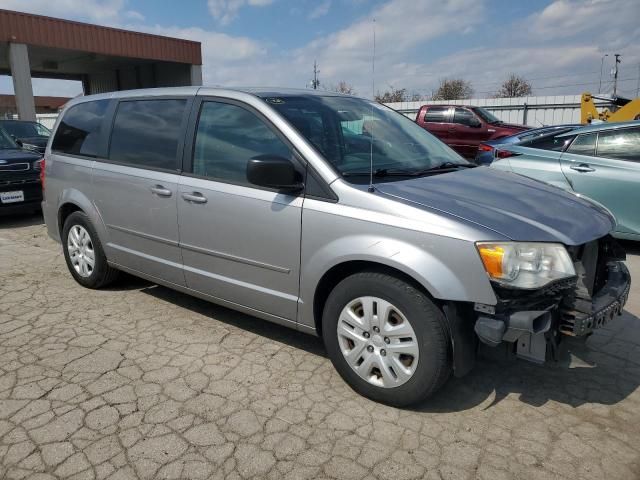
<point>315,83</point>
<point>373,98</point>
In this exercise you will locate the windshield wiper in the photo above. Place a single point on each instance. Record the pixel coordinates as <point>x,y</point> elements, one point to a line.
<point>384,172</point>
<point>380,172</point>
<point>444,166</point>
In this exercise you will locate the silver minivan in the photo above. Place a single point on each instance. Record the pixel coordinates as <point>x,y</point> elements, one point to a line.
<point>333,215</point>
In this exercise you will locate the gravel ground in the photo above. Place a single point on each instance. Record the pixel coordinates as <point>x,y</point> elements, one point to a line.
<point>138,381</point>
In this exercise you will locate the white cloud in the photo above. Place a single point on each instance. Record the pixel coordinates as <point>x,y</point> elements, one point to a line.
<point>226,10</point>
<point>92,10</point>
<point>321,10</point>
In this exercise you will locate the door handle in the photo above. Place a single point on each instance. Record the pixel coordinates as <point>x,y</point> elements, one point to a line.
<point>195,197</point>
<point>160,191</point>
<point>583,167</point>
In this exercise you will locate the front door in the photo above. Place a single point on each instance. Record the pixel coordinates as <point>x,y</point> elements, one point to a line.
<point>240,242</point>
<point>135,189</point>
<point>467,132</point>
<point>605,166</point>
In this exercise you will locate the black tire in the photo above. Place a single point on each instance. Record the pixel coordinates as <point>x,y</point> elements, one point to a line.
<point>102,274</point>
<point>427,320</point>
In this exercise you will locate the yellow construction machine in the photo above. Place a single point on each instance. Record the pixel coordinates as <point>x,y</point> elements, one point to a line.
<point>623,109</point>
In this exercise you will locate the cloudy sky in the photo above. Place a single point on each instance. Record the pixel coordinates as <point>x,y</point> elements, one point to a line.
<point>556,44</point>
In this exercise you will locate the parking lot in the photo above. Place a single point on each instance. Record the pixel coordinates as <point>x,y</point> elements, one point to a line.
<point>138,381</point>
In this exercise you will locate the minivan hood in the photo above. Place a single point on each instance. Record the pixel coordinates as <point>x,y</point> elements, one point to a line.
<point>514,206</point>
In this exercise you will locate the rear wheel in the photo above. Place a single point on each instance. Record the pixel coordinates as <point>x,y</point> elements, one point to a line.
<point>84,254</point>
<point>386,338</point>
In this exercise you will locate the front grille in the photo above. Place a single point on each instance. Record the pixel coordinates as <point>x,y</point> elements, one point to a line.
<point>19,181</point>
<point>592,262</point>
<point>15,167</point>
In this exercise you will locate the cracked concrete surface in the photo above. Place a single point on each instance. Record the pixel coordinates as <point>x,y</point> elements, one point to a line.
<point>140,382</point>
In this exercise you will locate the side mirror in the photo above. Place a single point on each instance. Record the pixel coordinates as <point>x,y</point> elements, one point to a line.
<point>475,123</point>
<point>274,172</point>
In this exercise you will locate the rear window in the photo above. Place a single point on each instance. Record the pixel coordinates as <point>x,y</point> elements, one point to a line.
<point>147,133</point>
<point>547,142</point>
<point>79,130</point>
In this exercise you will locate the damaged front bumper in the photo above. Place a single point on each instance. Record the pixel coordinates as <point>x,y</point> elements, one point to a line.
<point>535,321</point>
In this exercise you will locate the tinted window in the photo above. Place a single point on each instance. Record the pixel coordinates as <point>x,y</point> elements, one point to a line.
<point>547,142</point>
<point>146,133</point>
<point>436,114</point>
<point>583,145</point>
<point>79,130</point>
<point>620,144</point>
<point>465,117</point>
<point>227,137</point>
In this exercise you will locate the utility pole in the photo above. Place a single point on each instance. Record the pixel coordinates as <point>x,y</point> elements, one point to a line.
<point>315,83</point>
<point>615,74</point>
<point>601,65</point>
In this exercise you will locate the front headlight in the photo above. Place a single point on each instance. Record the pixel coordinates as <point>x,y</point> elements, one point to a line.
<point>525,265</point>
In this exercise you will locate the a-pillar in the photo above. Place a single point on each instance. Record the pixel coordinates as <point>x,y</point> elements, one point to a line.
<point>21,74</point>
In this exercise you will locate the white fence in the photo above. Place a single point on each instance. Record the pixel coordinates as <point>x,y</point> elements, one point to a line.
<point>532,111</point>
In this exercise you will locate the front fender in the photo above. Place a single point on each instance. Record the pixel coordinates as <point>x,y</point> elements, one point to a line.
<point>449,269</point>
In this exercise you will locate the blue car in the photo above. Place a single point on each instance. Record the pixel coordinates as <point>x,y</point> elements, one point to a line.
<point>487,150</point>
<point>601,162</point>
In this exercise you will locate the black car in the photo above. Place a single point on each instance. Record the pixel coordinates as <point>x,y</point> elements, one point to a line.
<point>20,188</point>
<point>29,135</point>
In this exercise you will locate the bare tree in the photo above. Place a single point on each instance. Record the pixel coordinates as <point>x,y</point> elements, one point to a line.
<point>514,86</point>
<point>453,89</point>
<point>415,97</point>
<point>393,95</point>
<point>343,87</point>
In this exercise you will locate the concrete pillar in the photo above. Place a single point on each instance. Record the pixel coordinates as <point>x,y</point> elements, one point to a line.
<point>21,74</point>
<point>196,75</point>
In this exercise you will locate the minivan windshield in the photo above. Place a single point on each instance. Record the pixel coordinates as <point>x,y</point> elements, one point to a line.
<point>351,133</point>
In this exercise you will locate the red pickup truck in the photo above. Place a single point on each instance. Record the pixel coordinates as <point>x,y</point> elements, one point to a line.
<point>464,127</point>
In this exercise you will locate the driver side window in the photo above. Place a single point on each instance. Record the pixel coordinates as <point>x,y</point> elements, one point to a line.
<point>465,117</point>
<point>227,137</point>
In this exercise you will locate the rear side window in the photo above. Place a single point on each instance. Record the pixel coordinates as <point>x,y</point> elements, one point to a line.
<point>147,133</point>
<point>583,145</point>
<point>620,144</point>
<point>436,114</point>
<point>79,130</point>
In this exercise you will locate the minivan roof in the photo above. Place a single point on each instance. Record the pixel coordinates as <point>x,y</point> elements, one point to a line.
<point>196,90</point>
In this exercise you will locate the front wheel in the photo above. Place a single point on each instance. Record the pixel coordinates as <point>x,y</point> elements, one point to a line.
<point>386,338</point>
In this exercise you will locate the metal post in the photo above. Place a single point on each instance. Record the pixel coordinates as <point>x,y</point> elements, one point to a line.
<point>21,75</point>
<point>601,66</point>
<point>524,114</point>
<point>615,74</point>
